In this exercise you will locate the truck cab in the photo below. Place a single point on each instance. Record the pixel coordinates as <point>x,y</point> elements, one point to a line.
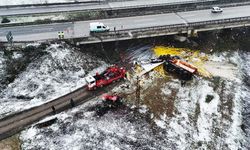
<point>98,27</point>
<point>91,82</point>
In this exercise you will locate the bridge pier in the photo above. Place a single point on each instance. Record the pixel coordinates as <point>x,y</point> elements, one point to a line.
<point>192,33</point>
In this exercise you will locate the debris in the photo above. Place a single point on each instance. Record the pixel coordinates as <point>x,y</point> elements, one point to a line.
<point>46,123</point>
<point>182,69</point>
<point>193,56</point>
<point>209,98</point>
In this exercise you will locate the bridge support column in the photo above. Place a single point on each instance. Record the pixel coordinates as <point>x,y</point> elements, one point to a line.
<point>189,33</point>
<point>195,33</point>
<point>192,33</point>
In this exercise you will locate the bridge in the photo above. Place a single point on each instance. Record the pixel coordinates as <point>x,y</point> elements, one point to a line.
<point>189,22</point>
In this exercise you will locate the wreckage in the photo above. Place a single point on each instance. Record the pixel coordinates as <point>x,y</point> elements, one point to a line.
<point>182,69</point>
<point>171,64</point>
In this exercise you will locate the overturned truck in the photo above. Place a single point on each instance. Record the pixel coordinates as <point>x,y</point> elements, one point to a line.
<point>182,69</point>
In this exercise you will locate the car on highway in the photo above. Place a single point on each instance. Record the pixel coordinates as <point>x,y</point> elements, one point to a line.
<point>216,10</point>
<point>98,27</point>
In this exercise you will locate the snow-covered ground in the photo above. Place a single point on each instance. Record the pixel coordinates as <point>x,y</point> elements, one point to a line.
<point>196,123</point>
<point>24,19</point>
<point>114,2</point>
<point>59,71</point>
<point>22,2</point>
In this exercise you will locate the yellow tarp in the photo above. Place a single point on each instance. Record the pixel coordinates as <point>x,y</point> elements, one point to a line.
<point>192,56</point>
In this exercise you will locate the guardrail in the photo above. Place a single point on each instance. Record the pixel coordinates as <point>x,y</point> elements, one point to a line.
<point>51,4</point>
<point>119,34</point>
<point>219,21</point>
<point>164,4</point>
<point>184,27</point>
<point>188,25</point>
<point>14,123</point>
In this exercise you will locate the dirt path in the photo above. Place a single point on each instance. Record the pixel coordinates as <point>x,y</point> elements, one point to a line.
<point>224,70</point>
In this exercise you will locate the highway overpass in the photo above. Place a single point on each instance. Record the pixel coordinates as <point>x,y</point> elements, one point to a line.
<point>134,27</point>
<point>97,5</point>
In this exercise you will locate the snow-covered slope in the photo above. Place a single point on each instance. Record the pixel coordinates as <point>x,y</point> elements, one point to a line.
<point>195,124</point>
<point>22,2</point>
<point>221,122</point>
<point>56,73</point>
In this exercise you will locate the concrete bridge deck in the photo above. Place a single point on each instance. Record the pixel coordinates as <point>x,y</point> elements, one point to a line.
<point>134,27</point>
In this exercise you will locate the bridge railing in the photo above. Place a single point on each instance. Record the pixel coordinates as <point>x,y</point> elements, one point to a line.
<point>145,29</point>
<point>183,27</point>
<point>166,4</point>
<point>219,21</point>
<point>192,24</point>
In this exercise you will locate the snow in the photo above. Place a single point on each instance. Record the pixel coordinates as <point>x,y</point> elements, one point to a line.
<point>143,109</point>
<point>207,111</point>
<point>195,124</point>
<point>59,71</point>
<point>2,65</point>
<point>23,19</point>
<point>225,70</point>
<point>209,116</point>
<point>22,2</point>
<point>161,122</point>
<point>105,132</point>
<point>113,4</point>
<point>222,66</point>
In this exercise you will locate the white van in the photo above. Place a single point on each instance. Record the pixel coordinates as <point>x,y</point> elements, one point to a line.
<point>98,27</point>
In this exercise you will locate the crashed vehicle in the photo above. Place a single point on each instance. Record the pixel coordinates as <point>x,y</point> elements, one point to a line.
<point>180,68</point>
<point>111,100</point>
<point>111,74</point>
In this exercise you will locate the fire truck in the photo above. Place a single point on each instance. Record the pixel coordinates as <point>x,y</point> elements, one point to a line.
<point>111,74</point>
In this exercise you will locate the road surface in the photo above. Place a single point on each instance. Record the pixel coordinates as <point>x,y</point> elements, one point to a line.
<point>88,6</point>
<point>81,28</point>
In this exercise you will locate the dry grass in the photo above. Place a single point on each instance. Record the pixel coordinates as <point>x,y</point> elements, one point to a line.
<point>12,143</point>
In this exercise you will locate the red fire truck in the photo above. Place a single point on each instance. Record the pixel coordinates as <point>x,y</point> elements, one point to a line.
<point>111,74</point>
